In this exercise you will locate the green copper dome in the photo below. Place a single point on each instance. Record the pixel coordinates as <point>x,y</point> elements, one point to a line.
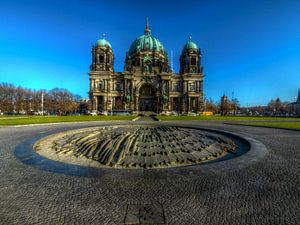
<point>146,42</point>
<point>190,45</point>
<point>103,43</point>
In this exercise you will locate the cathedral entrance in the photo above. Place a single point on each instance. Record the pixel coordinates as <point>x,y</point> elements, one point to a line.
<point>147,98</point>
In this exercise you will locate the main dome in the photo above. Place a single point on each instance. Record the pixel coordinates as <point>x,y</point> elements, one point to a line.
<point>146,42</point>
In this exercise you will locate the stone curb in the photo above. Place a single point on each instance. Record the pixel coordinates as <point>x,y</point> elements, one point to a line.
<point>281,128</point>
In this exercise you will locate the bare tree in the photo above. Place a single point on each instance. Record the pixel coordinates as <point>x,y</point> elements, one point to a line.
<point>7,97</point>
<point>19,100</point>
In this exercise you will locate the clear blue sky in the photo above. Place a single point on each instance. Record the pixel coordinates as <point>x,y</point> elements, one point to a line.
<point>249,47</point>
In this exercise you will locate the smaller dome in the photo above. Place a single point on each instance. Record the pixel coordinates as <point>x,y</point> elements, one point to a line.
<point>190,45</point>
<point>103,43</point>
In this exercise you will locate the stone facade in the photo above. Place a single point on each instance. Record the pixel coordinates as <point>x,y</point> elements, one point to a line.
<point>147,83</point>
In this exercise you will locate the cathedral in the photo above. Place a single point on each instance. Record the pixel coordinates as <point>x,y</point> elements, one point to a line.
<point>147,83</point>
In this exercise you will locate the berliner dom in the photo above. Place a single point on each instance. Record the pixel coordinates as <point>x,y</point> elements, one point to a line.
<point>147,82</point>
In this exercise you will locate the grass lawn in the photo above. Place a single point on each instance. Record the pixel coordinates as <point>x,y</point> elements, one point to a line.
<point>223,118</point>
<point>281,125</point>
<point>9,121</point>
<point>256,121</point>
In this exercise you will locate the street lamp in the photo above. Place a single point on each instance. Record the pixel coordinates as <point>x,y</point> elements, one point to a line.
<point>204,103</point>
<point>42,103</point>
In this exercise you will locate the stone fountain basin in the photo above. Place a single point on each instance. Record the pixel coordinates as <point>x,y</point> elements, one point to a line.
<point>140,146</point>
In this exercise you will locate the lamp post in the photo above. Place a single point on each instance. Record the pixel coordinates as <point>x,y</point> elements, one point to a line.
<point>42,103</point>
<point>204,103</point>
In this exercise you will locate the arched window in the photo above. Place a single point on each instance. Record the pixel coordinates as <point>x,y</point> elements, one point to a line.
<point>193,60</point>
<point>175,87</point>
<point>100,86</point>
<point>101,58</point>
<point>192,87</point>
<point>118,86</point>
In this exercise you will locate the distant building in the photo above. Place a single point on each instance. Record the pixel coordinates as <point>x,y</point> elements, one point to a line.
<point>224,105</point>
<point>84,106</point>
<point>295,106</point>
<point>147,83</point>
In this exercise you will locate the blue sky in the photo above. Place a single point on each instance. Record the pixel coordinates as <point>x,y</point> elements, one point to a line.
<point>251,48</point>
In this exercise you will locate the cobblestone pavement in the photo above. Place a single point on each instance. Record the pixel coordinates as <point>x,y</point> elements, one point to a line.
<point>266,192</point>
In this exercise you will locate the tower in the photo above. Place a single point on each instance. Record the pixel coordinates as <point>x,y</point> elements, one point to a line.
<point>224,105</point>
<point>191,78</point>
<point>101,71</point>
<point>190,59</point>
<point>102,56</point>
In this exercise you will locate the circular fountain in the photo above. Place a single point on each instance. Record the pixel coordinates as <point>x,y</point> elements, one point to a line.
<point>137,146</point>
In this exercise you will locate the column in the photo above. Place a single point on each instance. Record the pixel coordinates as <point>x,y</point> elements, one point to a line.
<point>136,105</point>
<point>187,86</point>
<point>95,103</point>
<point>105,103</point>
<point>125,86</point>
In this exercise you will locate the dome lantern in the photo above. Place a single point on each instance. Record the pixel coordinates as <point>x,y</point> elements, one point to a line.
<point>147,29</point>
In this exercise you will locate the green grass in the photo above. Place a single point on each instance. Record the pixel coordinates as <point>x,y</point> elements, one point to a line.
<point>13,116</point>
<point>24,120</point>
<point>10,121</point>
<point>281,125</point>
<point>224,118</point>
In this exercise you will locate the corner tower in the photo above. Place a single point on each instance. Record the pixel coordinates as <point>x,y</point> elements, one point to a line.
<point>102,56</point>
<point>190,59</point>
<point>101,72</point>
<point>191,78</point>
